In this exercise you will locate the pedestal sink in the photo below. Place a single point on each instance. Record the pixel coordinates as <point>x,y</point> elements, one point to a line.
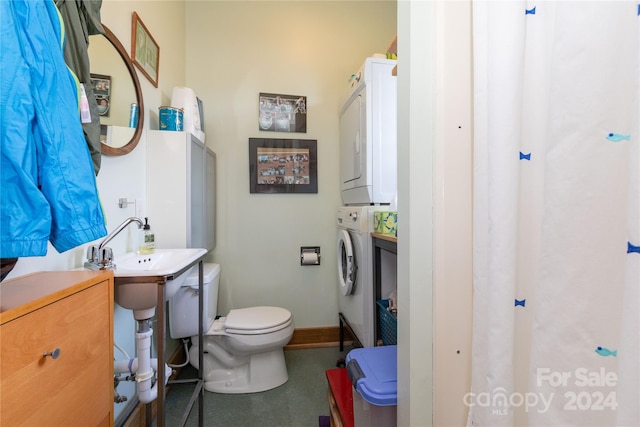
<point>140,281</point>
<point>137,277</point>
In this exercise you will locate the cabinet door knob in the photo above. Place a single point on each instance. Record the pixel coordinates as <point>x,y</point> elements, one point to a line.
<point>54,354</point>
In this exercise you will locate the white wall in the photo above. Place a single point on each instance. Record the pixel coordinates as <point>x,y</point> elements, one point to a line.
<point>453,275</point>
<point>416,139</point>
<point>434,241</point>
<point>235,50</point>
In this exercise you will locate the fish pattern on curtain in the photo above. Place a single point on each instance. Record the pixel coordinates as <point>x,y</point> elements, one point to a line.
<point>556,320</point>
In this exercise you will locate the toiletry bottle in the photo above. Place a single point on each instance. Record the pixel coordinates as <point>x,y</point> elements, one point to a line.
<point>147,241</point>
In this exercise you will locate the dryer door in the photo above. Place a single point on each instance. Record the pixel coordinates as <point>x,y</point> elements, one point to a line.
<point>347,263</point>
<point>353,144</point>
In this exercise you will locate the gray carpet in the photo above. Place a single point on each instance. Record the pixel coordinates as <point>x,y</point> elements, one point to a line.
<point>297,403</point>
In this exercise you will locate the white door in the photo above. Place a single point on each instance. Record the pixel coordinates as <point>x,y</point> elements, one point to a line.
<point>353,143</point>
<point>347,263</point>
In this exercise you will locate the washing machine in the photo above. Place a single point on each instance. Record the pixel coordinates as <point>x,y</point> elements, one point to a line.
<point>355,276</point>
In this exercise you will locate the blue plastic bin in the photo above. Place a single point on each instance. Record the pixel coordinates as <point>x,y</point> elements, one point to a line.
<point>374,375</point>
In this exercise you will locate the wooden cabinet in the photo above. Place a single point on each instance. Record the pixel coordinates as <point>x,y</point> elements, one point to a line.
<point>56,349</point>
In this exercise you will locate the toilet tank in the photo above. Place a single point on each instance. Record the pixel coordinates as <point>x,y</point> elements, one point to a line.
<point>183,306</point>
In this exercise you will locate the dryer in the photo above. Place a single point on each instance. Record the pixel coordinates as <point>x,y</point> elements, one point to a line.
<point>368,135</point>
<point>355,276</point>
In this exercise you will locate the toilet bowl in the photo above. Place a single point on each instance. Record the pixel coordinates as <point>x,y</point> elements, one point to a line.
<point>243,351</point>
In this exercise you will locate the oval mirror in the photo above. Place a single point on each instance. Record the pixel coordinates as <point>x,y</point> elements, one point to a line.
<point>116,87</point>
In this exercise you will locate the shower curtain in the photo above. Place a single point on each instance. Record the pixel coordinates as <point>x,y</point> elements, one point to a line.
<point>556,214</point>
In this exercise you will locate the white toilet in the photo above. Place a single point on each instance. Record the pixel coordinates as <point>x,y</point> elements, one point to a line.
<point>244,350</point>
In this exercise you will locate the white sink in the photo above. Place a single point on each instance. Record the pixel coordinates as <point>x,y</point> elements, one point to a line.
<point>133,292</point>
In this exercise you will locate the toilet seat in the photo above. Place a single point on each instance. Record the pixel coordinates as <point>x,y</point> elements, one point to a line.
<point>252,321</point>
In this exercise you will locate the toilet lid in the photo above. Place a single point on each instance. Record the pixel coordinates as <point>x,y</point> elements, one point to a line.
<point>256,320</point>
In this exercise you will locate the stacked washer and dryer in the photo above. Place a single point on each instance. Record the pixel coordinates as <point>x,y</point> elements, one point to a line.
<point>368,172</point>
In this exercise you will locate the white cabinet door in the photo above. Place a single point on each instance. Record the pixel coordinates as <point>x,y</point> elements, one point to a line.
<point>180,190</point>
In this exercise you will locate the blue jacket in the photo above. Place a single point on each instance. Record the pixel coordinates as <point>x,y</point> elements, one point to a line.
<point>47,185</point>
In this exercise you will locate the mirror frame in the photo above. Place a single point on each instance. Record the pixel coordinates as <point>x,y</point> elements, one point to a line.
<point>127,148</point>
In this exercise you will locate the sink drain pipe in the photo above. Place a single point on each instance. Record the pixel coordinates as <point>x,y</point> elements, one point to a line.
<point>143,366</point>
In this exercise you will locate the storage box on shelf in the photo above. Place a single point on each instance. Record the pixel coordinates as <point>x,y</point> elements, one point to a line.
<point>388,323</point>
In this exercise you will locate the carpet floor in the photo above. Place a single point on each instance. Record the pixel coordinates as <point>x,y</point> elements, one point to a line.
<point>301,402</point>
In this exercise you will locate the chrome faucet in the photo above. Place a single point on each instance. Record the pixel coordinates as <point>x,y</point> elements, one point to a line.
<point>100,257</point>
<point>121,227</point>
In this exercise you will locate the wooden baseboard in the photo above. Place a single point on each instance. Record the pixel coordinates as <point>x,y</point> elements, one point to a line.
<point>327,336</point>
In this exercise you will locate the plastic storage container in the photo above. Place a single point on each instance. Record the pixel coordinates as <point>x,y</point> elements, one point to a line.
<point>373,374</point>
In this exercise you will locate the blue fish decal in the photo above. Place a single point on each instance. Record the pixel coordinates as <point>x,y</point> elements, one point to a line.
<point>638,9</point>
<point>525,156</point>
<point>531,11</point>
<point>617,137</point>
<point>606,352</point>
<point>632,248</point>
<point>520,303</point>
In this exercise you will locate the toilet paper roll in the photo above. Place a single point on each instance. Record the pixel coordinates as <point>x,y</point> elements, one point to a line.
<point>309,258</point>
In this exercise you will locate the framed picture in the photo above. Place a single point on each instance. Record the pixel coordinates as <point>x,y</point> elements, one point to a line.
<point>282,113</point>
<point>102,91</point>
<point>283,165</point>
<point>145,52</point>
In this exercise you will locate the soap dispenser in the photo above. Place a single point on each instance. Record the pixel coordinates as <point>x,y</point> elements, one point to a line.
<point>147,240</point>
